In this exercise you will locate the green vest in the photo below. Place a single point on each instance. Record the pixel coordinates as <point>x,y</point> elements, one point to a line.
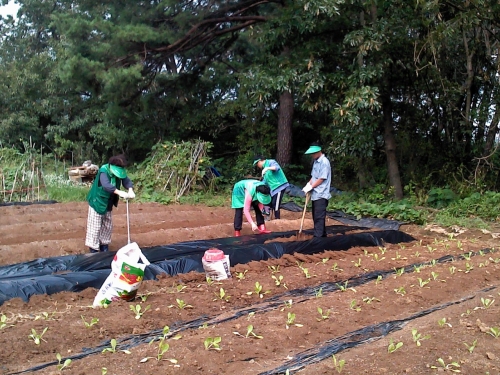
<point>97,197</point>
<point>274,178</point>
<point>238,198</point>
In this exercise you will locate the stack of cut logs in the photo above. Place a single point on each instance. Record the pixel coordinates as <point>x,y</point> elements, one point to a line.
<point>84,173</point>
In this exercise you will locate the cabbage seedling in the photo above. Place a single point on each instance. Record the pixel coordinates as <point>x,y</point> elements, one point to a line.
<point>401,290</point>
<point>324,316</point>
<point>288,304</point>
<point>212,343</point>
<point>434,275</point>
<point>452,269</point>
<point>416,268</point>
<point>335,268</point>
<point>443,322</point>
<point>279,281</point>
<point>241,275</point>
<point>354,306</point>
<point>182,305</point>
<point>250,333</point>
<point>399,271</point>
<point>377,258</point>
<point>382,250</point>
<point>144,297</point>
<point>258,290</point>
<point>422,283</point>
<point>471,347</point>
<point>338,364</point>
<point>179,288</point>
<point>467,256</point>
<point>417,254</point>
<point>45,316</point>
<point>318,293</point>
<point>417,337</point>
<point>137,310</point>
<point>468,267</point>
<point>38,338</point>
<point>274,269</point>
<point>62,366</point>
<point>495,332</point>
<point>222,295</point>
<point>453,366</point>
<point>379,279</point>
<point>291,320</point>
<point>92,322</point>
<point>3,322</point>
<point>112,348</point>
<point>394,346</point>
<point>487,303</point>
<point>369,300</point>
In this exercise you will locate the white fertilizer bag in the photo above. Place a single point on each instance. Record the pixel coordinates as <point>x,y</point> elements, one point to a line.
<point>125,278</point>
<point>216,264</point>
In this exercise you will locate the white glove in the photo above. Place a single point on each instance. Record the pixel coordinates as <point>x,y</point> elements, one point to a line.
<point>306,189</point>
<point>131,193</point>
<point>264,170</point>
<point>121,194</point>
<point>254,227</point>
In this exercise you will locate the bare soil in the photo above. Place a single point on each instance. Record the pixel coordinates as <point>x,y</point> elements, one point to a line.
<point>462,334</point>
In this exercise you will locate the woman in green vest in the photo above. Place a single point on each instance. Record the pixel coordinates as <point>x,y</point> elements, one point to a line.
<point>246,194</point>
<point>102,197</point>
<point>273,175</point>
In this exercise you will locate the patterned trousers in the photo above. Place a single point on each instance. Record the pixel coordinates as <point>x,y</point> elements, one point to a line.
<point>99,229</point>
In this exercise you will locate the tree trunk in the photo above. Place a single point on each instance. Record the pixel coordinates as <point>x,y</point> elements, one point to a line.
<point>285,119</point>
<point>390,147</point>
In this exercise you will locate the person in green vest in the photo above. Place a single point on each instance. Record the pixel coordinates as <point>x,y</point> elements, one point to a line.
<point>246,194</point>
<point>103,195</point>
<point>272,175</point>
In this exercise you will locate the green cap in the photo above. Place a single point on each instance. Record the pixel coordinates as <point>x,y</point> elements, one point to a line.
<point>263,198</point>
<point>257,159</point>
<point>313,150</point>
<point>119,172</point>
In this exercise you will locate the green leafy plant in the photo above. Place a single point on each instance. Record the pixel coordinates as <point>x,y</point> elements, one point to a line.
<point>279,281</point>
<point>104,371</point>
<point>422,283</point>
<point>250,333</point>
<point>91,323</point>
<point>112,347</point>
<point>417,337</point>
<point>377,258</point>
<point>369,300</point>
<point>338,364</point>
<point>452,269</point>
<point>61,366</point>
<point>36,337</point>
<point>241,275</point>
<point>453,366</point>
<point>288,304</point>
<point>399,271</point>
<point>304,270</point>
<point>274,269</point>
<point>443,322</point>
<point>344,288</point>
<point>335,268</point>
<point>487,302</point>
<point>290,320</point>
<point>318,293</point>
<point>323,316</point>
<point>401,290</point>
<point>434,275</point>
<point>3,322</point>
<point>213,343</point>
<point>180,288</point>
<point>45,316</point>
<point>144,297</point>
<point>138,311</point>
<point>392,347</point>
<point>378,280</point>
<point>495,332</point>
<point>471,347</point>
<point>222,295</point>
<point>354,306</point>
<point>258,290</point>
<point>382,250</point>
<point>181,305</point>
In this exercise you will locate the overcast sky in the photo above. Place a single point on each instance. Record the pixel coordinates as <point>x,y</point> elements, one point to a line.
<point>11,9</point>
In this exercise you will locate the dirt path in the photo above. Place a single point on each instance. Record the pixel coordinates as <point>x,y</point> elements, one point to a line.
<point>300,335</point>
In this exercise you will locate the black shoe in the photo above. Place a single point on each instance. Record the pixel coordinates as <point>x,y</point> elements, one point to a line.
<point>103,248</point>
<point>93,250</point>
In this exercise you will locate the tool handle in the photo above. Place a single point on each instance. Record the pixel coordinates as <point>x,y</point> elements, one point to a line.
<point>128,224</point>
<point>308,195</point>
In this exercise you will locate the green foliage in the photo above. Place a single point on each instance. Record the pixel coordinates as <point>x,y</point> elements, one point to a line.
<point>172,170</point>
<point>439,197</point>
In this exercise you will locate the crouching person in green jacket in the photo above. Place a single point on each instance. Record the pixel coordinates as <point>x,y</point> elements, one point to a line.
<point>246,194</point>
<point>102,197</point>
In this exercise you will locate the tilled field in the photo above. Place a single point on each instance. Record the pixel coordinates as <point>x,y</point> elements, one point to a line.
<point>397,309</point>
